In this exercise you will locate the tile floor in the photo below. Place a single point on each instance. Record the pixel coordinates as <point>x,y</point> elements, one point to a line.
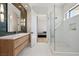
<point>42,49</point>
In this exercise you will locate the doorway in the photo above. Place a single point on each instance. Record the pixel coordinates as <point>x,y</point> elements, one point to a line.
<point>42,29</point>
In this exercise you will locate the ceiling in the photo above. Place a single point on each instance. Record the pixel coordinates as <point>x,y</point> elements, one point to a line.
<point>43,8</point>
<point>40,8</point>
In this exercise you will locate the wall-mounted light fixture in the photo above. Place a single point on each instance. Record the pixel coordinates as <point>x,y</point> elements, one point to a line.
<point>1,12</point>
<point>1,8</point>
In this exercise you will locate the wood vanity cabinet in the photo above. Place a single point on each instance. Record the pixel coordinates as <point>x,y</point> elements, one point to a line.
<point>11,45</point>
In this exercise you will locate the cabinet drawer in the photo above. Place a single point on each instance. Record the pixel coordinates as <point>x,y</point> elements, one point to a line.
<point>19,48</point>
<point>19,41</point>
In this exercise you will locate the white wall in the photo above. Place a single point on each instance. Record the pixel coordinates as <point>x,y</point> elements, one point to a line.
<point>13,18</point>
<point>42,23</point>
<point>33,29</point>
<point>72,33</point>
<point>28,19</point>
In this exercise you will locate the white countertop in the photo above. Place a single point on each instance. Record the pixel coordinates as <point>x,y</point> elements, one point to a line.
<point>13,36</point>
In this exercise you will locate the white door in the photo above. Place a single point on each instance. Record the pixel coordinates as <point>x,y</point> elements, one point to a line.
<point>34,30</point>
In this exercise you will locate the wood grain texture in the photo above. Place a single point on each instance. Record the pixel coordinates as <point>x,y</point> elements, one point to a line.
<point>20,48</point>
<point>6,47</point>
<point>13,47</point>
<point>19,41</point>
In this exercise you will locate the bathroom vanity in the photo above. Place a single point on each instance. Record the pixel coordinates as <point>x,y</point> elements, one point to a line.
<point>11,45</point>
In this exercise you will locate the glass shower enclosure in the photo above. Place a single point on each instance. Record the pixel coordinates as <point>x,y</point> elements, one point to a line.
<point>63,34</point>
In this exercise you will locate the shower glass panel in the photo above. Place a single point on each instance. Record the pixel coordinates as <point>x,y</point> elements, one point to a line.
<point>51,24</point>
<point>64,34</point>
<point>61,44</point>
